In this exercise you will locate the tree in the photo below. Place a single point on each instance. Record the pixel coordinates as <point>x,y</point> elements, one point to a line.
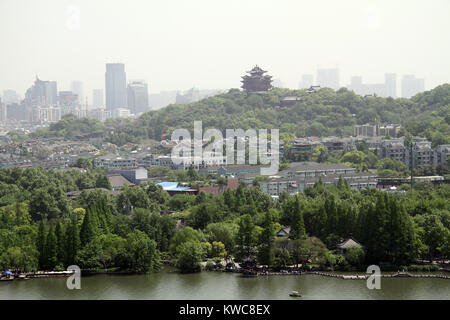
<point>297,222</point>
<point>17,258</point>
<point>72,241</point>
<point>223,232</point>
<point>434,234</point>
<point>185,235</point>
<point>60,242</point>
<point>89,227</point>
<point>141,253</point>
<point>265,252</point>
<point>41,241</point>
<point>218,250</point>
<point>130,198</point>
<point>355,256</point>
<point>320,153</point>
<point>189,256</point>
<point>246,234</point>
<point>51,249</point>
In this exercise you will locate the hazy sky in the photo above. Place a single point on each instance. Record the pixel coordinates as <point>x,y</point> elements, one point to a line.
<point>178,44</point>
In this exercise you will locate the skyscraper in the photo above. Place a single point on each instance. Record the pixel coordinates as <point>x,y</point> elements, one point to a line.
<point>116,86</point>
<point>307,81</point>
<point>77,88</point>
<point>42,93</point>
<point>10,96</point>
<point>328,78</point>
<point>3,113</point>
<point>412,86</point>
<point>390,81</point>
<point>97,98</point>
<point>137,96</point>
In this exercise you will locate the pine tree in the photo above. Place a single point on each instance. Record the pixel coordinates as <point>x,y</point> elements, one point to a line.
<point>72,240</point>
<point>41,239</point>
<point>89,227</point>
<point>51,249</point>
<point>297,222</point>
<point>265,252</point>
<point>60,243</point>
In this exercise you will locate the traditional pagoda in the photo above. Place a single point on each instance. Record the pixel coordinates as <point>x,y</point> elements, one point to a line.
<point>256,81</point>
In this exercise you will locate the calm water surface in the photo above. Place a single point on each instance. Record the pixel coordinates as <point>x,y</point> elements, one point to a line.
<point>169,284</point>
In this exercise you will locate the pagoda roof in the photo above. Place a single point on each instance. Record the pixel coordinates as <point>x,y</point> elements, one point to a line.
<point>256,69</point>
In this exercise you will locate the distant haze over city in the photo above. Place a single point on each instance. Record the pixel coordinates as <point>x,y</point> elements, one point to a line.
<point>177,45</point>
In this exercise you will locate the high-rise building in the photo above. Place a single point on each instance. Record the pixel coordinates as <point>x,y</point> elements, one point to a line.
<point>137,96</point>
<point>412,86</point>
<point>386,89</point>
<point>68,99</point>
<point>77,88</point>
<point>328,78</point>
<point>307,81</point>
<point>97,98</point>
<point>116,86</point>
<point>3,113</point>
<point>10,96</point>
<point>390,81</point>
<point>42,93</point>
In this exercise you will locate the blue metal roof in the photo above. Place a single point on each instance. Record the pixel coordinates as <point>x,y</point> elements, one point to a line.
<point>172,186</point>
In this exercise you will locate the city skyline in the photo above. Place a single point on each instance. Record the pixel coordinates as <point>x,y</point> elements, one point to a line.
<point>157,43</point>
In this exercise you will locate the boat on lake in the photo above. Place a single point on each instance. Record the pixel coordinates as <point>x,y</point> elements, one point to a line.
<point>295,294</point>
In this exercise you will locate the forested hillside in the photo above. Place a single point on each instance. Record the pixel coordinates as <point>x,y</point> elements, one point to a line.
<point>326,112</point>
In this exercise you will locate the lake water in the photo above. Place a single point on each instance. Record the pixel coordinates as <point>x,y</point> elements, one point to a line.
<point>169,284</point>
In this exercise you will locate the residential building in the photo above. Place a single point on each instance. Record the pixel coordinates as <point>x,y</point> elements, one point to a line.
<point>114,162</point>
<point>441,155</point>
<point>393,149</point>
<point>314,169</point>
<point>134,175</point>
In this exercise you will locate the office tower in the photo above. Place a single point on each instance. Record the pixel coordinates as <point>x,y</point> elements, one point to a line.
<point>77,88</point>
<point>116,86</point>
<point>137,96</point>
<point>328,78</point>
<point>42,93</point>
<point>412,86</point>
<point>307,81</point>
<point>97,98</point>
<point>390,82</point>
<point>10,96</point>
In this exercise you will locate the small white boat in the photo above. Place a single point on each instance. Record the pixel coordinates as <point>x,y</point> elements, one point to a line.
<point>295,294</point>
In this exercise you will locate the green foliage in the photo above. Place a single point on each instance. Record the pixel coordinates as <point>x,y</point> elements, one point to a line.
<point>355,256</point>
<point>189,255</point>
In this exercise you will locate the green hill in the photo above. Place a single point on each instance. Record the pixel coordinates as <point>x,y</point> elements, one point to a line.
<point>326,112</point>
